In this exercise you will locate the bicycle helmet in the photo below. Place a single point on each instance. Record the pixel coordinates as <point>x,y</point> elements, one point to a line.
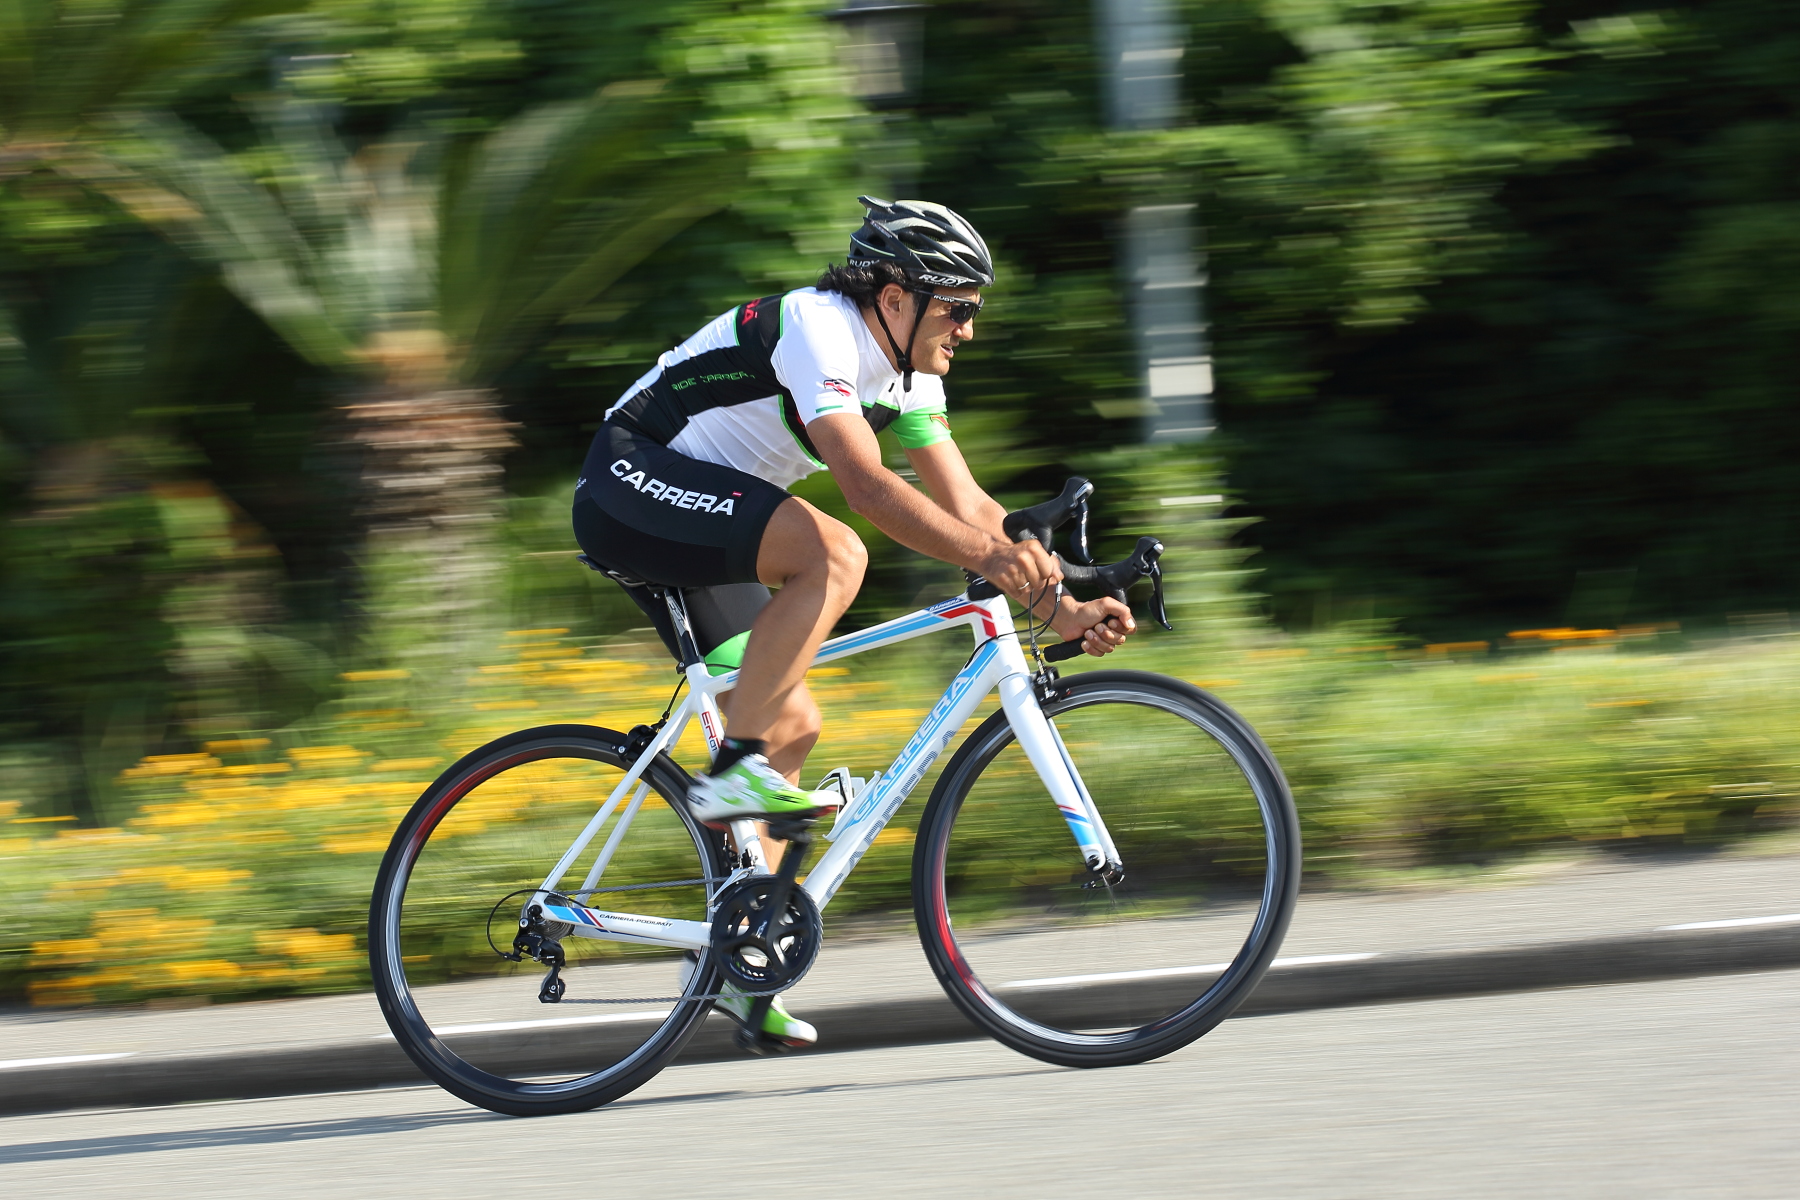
<point>931,245</point>
<point>927,241</point>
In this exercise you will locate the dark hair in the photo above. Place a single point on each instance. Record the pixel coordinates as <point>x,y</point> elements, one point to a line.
<point>861,281</point>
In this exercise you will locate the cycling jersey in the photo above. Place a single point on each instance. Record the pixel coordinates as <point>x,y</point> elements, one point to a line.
<point>741,392</point>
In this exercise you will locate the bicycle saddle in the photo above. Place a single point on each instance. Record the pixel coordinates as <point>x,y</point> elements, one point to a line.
<point>618,577</point>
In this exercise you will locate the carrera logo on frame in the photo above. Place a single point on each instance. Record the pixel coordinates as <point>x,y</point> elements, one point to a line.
<point>679,497</point>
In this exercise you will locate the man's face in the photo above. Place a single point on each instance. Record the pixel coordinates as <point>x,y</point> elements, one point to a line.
<point>938,336</point>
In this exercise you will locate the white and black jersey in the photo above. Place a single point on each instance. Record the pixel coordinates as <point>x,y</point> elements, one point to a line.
<point>741,392</point>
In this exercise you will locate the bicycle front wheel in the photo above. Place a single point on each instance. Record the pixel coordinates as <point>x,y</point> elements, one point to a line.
<point>1051,958</point>
<point>461,868</point>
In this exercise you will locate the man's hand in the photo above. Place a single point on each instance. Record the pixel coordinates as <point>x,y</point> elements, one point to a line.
<point>1100,625</point>
<point>1020,569</point>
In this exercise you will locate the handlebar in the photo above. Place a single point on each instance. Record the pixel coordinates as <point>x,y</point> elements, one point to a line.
<point>1040,521</point>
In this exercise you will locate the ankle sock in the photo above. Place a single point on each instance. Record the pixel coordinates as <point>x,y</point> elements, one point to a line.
<point>731,749</point>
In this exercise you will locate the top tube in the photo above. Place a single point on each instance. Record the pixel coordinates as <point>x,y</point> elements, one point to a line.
<point>958,610</point>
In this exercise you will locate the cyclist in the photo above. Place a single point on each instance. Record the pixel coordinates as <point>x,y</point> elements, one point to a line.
<point>685,486</point>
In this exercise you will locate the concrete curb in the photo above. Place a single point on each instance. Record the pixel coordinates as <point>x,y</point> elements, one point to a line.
<point>1376,979</point>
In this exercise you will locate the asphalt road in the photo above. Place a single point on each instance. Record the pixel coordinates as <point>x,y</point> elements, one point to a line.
<point>1681,1089</point>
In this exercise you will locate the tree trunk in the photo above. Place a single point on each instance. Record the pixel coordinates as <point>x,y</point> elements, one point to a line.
<point>431,505</point>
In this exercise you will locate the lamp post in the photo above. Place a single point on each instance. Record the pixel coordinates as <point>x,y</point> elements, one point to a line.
<point>1164,274</point>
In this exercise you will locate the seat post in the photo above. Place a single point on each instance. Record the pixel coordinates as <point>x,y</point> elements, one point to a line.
<point>684,632</point>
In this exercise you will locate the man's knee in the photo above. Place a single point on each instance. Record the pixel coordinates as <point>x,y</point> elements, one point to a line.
<point>801,541</point>
<point>846,558</point>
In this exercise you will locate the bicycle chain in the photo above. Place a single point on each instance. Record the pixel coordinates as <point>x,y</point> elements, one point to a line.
<point>674,999</point>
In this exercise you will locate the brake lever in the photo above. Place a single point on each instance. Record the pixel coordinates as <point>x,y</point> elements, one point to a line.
<point>1157,608</point>
<point>1078,542</point>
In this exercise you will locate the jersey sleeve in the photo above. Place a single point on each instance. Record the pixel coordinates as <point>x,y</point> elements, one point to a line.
<point>815,358</point>
<point>924,418</point>
<point>917,430</point>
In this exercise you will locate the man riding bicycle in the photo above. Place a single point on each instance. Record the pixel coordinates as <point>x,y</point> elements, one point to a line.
<point>685,486</point>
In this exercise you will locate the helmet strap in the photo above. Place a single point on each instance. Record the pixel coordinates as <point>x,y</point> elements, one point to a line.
<point>903,358</point>
<point>918,319</point>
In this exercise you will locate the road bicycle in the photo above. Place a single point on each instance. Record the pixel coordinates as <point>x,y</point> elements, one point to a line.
<point>1104,870</point>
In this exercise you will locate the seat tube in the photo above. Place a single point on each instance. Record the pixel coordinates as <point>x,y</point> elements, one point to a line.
<point>1042,746</point>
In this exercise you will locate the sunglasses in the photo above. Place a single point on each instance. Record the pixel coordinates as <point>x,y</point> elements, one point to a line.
<point>961,311</point>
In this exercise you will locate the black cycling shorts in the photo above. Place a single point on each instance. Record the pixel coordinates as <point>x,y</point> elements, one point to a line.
<point>652,512</point>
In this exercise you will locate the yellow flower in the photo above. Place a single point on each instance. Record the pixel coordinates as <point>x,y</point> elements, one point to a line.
<point>236,745</point>
<point>365,843</point>
<point>306,944</point>
<point>327,756</point>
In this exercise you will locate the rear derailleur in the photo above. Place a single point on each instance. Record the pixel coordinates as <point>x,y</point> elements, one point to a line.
<point>536,941</point>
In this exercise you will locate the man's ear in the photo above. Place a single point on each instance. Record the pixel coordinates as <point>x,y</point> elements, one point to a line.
<point>892,300</point>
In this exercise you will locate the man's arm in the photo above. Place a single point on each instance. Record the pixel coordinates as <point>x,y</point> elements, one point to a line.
<point>945,474</point>
<point>848,446</point>
<point>962,528</point>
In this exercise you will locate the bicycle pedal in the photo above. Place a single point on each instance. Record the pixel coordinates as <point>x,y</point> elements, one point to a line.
<point>761,1044</point>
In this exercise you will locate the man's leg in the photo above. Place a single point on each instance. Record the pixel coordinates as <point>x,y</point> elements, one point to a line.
<point>792,735</point>
<point>817,563</point>
<point>790,739</point>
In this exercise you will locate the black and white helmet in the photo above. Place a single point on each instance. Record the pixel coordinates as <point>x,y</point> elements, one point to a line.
<point>929,242</point>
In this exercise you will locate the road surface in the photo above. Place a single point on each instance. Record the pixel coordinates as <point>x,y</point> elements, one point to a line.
<point>1679,1089</point>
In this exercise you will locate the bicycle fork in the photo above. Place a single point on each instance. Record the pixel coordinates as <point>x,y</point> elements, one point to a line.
<point>1043,745</point>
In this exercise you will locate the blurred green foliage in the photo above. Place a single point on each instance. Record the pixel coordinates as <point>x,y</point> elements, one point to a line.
<point>1502,295</point>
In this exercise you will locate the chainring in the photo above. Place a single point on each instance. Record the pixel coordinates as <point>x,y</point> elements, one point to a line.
<point>757,950</point>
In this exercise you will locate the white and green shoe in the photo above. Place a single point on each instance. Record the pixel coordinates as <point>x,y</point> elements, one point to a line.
<point>751,788</point>
<point>778,1023</point>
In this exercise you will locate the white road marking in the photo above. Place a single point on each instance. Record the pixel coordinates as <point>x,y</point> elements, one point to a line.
<point>550,1022</point>
<point>1788,919</point>
<point>63,1060</point>
<point>1162,972</point>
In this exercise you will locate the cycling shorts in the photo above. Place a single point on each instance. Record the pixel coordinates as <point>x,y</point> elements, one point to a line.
<point>654,513</point>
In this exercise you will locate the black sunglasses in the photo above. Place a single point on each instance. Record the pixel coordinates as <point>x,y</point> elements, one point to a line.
<point>961,311</point>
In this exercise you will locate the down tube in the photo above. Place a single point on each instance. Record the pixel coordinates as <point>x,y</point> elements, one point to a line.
<point>877,805</point>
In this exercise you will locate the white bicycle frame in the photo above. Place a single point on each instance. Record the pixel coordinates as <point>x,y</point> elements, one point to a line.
<point>998,662</point>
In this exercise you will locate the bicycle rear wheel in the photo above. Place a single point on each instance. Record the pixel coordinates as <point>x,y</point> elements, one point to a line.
<point>1046,956</point>
<point>492,825</point>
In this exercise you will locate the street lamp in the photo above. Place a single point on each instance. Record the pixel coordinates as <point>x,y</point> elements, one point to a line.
<point>882,49</point>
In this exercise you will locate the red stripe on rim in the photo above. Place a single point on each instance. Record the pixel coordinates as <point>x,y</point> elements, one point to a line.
<point>444,803</point>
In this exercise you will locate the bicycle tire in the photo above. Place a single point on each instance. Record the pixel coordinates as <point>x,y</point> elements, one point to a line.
<point>1058,1019</point>
<point>515,1084</point>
